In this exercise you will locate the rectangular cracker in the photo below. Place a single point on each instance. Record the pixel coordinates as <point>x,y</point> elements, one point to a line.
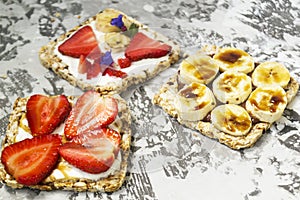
<point>50,60</point>
<point>109,184</point>
<point>165,99</point>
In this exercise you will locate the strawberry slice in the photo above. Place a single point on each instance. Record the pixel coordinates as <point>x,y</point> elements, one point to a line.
<point>113,72</point>
<point>90,112</point>
<point>80,43</point>
<point>92,138</point>
<point>141,47</point>
<point>83,65</point>
<point>30,161</point>
<point>93,151</point>
<point>124,62</point>
<point>93,70</point>
<point>90,64</point>
<point>45,114</point>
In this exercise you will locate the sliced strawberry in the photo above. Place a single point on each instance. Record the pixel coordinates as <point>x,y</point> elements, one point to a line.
<point>30,161</point>
<point>90,64</point>
<point>124,62</point>
<point>45,114</point>
<point>90,112</point>
<point>93,151</point>
<point>94,137</point>
<point>80,43</point>
<point>93,160</point>
<point>95,55</point>
<point>93,70</point>
<point>113,72</point>
<point>141,47</point>
<point>83,65</point>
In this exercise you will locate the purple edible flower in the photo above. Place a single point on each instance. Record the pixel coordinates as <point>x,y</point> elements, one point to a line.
<point>118,22</point>
<point>106,59</point>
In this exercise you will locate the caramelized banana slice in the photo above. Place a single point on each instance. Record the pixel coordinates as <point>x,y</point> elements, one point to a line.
<point>231,119</point>
<point>194,101</point>
<point>232,87</point>
<point>198,68</point>
<point>234,59</point>
<point>267,103</point>
<point>270,73</point>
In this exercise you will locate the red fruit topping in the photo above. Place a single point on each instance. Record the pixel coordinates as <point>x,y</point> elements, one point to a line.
<point>93,151</point>
<point>80,43</point>
<point>141,47</point>
<point>90,112</point>
<point>90,64</point>
<point>45,114</point>
<point>30,161</point>
<point>83,65</point>
<point>95,55</point>
<point>92,138</point>
<point>124,62</point>
<point>113,72</point>
<point>93,70</point>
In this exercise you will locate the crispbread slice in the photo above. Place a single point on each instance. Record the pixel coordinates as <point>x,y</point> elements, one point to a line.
<point>50,60</point>
<point>108,184</point>
<point>165,99</point>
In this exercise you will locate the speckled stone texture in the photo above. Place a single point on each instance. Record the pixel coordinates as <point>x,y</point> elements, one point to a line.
<point>168,161</point>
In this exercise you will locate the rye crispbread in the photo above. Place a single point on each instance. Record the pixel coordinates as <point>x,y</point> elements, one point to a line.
<point>50,59</point>
<point>167,93</point>
<point>108,184</point>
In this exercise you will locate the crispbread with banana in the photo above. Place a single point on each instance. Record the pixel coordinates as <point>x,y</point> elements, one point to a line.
<point>109,52</point>
<point>225,95</point>
<point>67,143</point>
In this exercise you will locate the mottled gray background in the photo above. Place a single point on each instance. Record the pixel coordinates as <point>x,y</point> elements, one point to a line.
<point>168,161</point>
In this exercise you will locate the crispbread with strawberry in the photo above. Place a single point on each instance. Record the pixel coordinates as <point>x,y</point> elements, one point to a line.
<point>109,52</point>
<point>69,143</point>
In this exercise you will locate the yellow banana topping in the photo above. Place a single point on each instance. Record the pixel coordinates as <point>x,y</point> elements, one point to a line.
<point>104,18</point>
<point>267,103</point>
<point>232,87</point>
<point>231,119</point>
<point>198,68</point>
<point>116,41</point>
<point>270,73</point>
<point>194,101</point>
<point>234,59</point>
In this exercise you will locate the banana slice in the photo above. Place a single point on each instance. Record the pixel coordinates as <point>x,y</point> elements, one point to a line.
<point>271,73</point>
<point>267,103</point>
<point>24,124</point>
<point>234,59</point>
<point>198,68</point>
<point>232,87</point>
<point>231,119</point>
<point>116,41</point>
<point>194,101</point>
<point>104,18</point>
